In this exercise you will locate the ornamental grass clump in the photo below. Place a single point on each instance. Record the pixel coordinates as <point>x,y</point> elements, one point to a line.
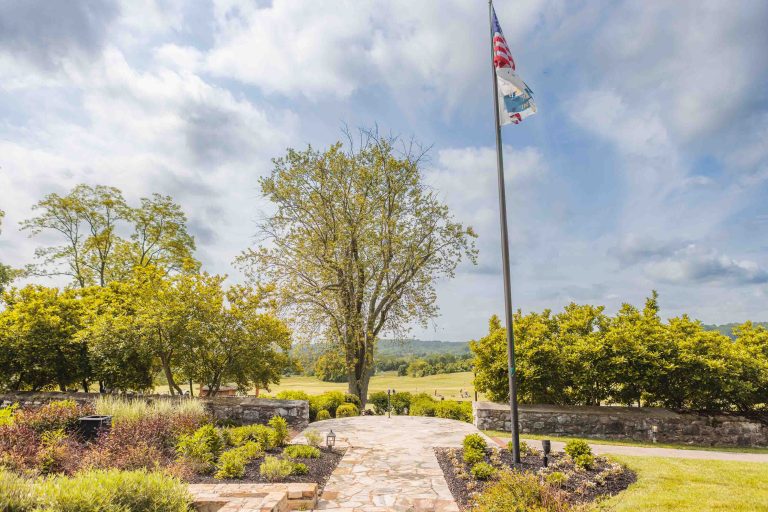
<point>127,409</point>
<point>301,451</point>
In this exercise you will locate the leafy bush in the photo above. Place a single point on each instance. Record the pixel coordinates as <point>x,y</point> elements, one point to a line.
<point>476,442</point>
<point>280,430</point>
<point>328,401</point>
<point>584,461</point>
<point>349,398</point>
<point>301,451</point>
<point>313,438</point>
<point>261,434</point>
<point>473,455</point>
<point>292,395</point>
<point>57,452</point>
<point>401,402</point>
<point>6,414</point>
<point>347,410</point>
<point>323,415</point>
<point>19,445</point>
<point>454,410</point>
<point>422,405</point>
<point>520,492</point>
<point>232,462</point>
<point>203,447</point>
<point>299,468</point>
<point>556,478</point>
<point>483,471</point>
<point>379,402</point>
<point>62,414</point>
<point>576,447</point>
<point>95,491</point>
<point>274,469</point>
<point>17,494</point>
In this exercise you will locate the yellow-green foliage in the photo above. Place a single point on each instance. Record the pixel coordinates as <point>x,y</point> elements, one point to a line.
<point>6,414</point>
<point>313,438</point>
<point>483,471</point>
<point>202,448</point>
<point>95,491</point>
<point>261,434</point>
<point>525,449</point>
<point>323,415</point>
<point>475,441</point>
<point>232,462</point>
<point>556,478</point>
<point>584,461</point>
<point>122,409</point>
<point>519,492</point>
<point>280,430</point>
<point>473,455</point>
<point>301,451</point>
<point>299,468</point>
<point>347,411</point>
<point>275,469</point>
<point>576,447</point>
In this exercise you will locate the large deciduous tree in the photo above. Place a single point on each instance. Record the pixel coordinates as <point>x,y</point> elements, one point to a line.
<point>90,221</point>
<point>356,242</point>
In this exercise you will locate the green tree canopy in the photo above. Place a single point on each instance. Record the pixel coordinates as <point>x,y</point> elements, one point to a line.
<point>355,244</point>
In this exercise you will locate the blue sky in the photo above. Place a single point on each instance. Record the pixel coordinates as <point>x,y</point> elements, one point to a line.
<point>645,168</point>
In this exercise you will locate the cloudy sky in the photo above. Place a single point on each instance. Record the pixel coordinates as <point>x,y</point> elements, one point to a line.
<point>646,167</point>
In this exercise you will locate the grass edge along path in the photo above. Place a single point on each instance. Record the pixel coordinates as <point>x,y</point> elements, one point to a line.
<point>685,485</point>
<point>641,444</point>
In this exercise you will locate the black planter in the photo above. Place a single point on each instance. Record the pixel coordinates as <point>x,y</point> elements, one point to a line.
<point>91,426</point>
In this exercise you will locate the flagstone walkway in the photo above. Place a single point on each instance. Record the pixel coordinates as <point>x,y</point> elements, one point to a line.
<point>390,465</point>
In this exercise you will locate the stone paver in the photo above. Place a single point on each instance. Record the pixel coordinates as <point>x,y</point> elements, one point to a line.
<point>390,465</point>
<point>650,451</point>
<point>253,497</point>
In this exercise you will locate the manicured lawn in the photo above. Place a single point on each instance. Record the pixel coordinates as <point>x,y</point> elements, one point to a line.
<point>448,385</point>
<point>680,485</point>
<point>496,433</point>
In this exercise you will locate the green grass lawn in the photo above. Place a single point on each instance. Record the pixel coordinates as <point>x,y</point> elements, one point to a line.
<point>680,485</point>
<point>447,385</point>
<point>496,433</point>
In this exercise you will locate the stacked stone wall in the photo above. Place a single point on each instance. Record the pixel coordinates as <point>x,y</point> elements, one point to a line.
<point>625,423</point>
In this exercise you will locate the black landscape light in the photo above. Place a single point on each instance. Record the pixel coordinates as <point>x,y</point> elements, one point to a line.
<point>546,447</point>
<point>390,392</point>
<point>330,440</point>
<point>91,426</point>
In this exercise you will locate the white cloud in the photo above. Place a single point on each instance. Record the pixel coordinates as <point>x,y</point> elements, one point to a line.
<point>694,264</point>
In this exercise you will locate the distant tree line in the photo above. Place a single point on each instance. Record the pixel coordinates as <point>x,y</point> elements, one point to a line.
<point>582,356</point>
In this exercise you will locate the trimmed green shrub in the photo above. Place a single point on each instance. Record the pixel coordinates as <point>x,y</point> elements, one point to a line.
<point>556,478</point>
<point>422,405</point>
<point>301,451</point>
<point>280,430</point>
<point>292,395</point>
<point>482,471</point>
<point>473,456</point>
<point>328,401</point>
<point>323,415</point>
<point>313,438</point>
<point>349,398</point>
<point>520,492</point>
<point>347,410</point>
<point>379,401</point>
<point>261,434</point>
<point>454,410</point>
<point>232,462</point>
<point>576,447</point>
<point>299,468</point>
<point>475,441</point>
<point>203,447</point>
<point>584,461</point>
<point>401,402</point>
<point>274,469</point>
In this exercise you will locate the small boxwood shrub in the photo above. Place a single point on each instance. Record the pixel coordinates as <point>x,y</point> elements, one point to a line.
<point>274,469</point>
<point>556,478</point>
<point>280,430</point>
<point>265,436</point>
<point>576,447</point>
<point>313,438</point>
<point>328,401</point>
<point>483,471</point>
<point>299,468</point>
<point>301,451</point>
<point>520,492</point>
<point>584,461</point>
<point>473,456</point>
<point>232,462</point>
<point>347,410</point>
<point>323,415</point>
<point>475,441</point>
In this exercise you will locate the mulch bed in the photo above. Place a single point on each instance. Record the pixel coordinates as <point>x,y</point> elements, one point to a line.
<point>319,470</point>
<point>582,486</point>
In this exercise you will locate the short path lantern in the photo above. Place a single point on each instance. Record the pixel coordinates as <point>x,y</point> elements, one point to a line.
<point>330,440</point>
<point>546,447</point>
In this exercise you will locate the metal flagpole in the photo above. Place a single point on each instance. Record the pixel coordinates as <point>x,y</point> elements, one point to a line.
<point>505,256</point>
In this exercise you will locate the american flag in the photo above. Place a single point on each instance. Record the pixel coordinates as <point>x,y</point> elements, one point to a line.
<point>515,97</point>
<point>502,57</point>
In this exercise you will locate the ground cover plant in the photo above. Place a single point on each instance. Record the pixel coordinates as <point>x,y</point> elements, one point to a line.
<point>485,479</point>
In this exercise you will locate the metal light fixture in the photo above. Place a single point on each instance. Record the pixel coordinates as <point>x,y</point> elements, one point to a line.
<point>546,447</point>
<point>654,431</point>
<point>330,440</point>
<point>390,392</point>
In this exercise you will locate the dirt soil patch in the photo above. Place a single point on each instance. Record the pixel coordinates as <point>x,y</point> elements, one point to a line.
<point>606,478</point>
<point>320,470</point>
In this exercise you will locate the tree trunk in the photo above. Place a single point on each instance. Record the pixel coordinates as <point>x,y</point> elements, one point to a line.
<point>85,386</point>
<point>172,386</point>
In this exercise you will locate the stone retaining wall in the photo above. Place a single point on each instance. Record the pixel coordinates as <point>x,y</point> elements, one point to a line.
<point>237,409</point>
<point>628,423</point>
